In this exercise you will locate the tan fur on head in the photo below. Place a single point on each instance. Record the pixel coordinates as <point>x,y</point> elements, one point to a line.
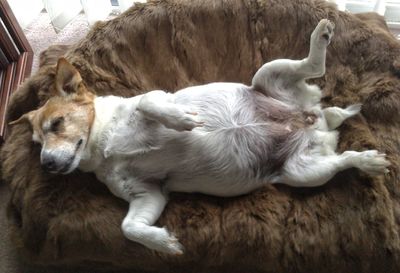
<point>68,81</point>
<point>62,125</point>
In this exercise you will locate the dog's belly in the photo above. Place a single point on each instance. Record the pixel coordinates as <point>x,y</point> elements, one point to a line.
<point>243,144</point>
<point>234,105</point>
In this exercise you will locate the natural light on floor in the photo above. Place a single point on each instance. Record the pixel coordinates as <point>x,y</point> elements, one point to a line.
<point>28,10</point>
<point>389,9</point>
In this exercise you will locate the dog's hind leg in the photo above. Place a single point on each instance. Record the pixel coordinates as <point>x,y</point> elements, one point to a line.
<point>335,115</point>
<point>314,170</point>
<point>161,107</point>
<point>284,79</point>
<point>144,210</point>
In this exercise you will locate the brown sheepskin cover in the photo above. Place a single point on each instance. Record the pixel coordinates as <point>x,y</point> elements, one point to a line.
<point>349,225</point>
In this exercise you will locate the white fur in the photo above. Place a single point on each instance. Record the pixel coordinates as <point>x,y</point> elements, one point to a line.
<point>212,139</point>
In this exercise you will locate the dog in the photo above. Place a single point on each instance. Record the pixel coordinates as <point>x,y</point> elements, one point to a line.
<point>222,139</point>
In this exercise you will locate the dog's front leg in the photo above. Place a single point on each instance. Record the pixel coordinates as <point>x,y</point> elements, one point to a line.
<point>161,107</point>
<point>144,210</point>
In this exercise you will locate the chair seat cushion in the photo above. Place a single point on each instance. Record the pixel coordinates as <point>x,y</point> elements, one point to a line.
<point>350,224</point>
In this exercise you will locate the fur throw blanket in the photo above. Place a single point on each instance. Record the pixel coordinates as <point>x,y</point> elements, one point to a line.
<point>352,224</point>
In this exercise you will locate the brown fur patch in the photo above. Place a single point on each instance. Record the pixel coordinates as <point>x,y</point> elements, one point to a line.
<point>349,225</point>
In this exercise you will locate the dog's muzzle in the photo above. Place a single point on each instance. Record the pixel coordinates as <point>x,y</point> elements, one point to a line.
<point>54,164</point>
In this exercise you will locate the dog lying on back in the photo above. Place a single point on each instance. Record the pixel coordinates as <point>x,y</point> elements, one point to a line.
<point>223,139</point>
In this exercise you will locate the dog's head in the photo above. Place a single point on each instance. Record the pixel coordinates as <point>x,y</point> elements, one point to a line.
<point>62,126</point>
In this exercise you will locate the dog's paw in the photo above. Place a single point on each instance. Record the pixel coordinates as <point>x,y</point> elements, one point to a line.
<point>188,121</point>
<point>323,33</point>
<point>182,118</point>
<point>372,162</point>
<point>173,246</point>
<point>166,242</point>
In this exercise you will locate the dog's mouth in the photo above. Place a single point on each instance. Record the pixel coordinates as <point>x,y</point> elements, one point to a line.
<point>79,144</point>
<point>72,162</point>
<point>67,168</point>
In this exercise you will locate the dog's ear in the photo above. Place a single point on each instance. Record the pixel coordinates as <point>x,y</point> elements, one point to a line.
<point>51,55</point>
<point>27,117</point>
<point>67,78</point>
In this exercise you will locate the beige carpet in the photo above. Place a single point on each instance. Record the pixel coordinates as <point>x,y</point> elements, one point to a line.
<point>41,34</point>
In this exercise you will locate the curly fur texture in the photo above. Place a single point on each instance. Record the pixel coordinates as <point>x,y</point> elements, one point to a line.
<point>349,225</point>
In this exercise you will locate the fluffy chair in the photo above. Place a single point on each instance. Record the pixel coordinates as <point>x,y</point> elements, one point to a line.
<point>349,225</point>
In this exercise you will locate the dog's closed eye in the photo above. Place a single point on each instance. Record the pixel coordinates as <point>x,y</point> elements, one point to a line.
<point>56,124</point>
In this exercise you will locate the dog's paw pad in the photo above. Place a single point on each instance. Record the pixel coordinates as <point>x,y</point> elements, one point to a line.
<point>324,31</point>
<point>326,36</point>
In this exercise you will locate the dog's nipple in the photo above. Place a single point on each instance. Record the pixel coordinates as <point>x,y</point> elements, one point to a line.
<point>311,118</point>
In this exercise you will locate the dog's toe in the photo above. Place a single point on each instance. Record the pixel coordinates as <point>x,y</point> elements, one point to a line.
<point>175,248</point>
<point>374,163</point>
<point>167,242</point>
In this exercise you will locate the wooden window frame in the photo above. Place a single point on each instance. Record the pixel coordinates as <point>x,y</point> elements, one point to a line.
<point>16,57</point>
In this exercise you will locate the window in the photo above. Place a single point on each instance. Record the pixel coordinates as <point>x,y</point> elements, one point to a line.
<point>15,59</point>
<point>390,9</point>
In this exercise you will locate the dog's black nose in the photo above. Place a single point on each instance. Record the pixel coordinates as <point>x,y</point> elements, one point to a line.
<point>48,164</point>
